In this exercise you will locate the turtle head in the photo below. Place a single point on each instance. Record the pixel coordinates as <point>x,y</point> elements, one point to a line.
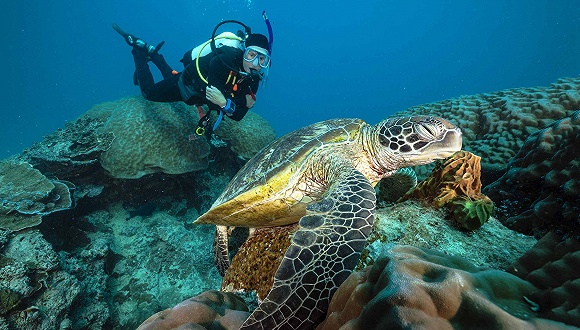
<point>410,141</point>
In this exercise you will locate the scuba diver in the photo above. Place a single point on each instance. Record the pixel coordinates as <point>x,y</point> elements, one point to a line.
<point>225,77</point>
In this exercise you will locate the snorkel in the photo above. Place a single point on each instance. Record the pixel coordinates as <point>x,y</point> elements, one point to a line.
<point>266,71</point>
<point>270,33</point>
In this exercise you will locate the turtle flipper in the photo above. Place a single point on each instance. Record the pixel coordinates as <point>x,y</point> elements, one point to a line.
<point>323,253</point>
<point>220,249</point>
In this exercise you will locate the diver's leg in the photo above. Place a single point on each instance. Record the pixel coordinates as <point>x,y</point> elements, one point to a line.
<point>161,64</point>
<point>142,53</point>
<point>143,76</point>
<point>167,90</point>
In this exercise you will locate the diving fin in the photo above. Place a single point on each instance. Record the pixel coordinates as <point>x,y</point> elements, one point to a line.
<point>158,47</point>
<point>130,39</point>
<point>133,41</point>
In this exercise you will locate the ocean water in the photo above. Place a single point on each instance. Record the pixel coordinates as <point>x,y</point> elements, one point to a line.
<point>365,59</point>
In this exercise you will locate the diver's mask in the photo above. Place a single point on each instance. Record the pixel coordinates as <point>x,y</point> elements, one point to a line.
<point>258,56</point>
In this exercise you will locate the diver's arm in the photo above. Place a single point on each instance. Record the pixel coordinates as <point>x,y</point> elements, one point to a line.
<point>235,106</point>
<point>246,97</point>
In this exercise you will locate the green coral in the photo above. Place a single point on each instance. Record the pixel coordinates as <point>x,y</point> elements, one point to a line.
<point>470,213</point>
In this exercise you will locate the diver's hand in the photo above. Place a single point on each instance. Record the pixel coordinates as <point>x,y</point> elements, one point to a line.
<point>216,97</point>
<point>250,101</point>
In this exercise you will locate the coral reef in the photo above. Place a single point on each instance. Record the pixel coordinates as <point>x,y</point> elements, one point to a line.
<point>208,310</point>
<point>132,137</point>
<point>495,125</point>
<point>540,190</point>
<point>26,195</point>
<point>409,287</point>
<point>143,264</point>
<point>116,262</point>
<point>456,184</point>
<point>552,266</point>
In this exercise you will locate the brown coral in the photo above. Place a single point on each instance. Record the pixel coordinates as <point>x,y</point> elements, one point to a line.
<point>412,288</point>
<point>540,190</point>
<point>257,260</point>
<point>552,266</point>
<point>208,310</point>
<point>456,184</point>
<point>495,125</point>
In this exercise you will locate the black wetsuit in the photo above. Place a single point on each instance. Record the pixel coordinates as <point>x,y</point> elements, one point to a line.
<point>188,87</point>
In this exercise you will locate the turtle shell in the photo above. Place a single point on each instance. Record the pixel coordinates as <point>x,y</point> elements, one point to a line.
<point>262,193</point>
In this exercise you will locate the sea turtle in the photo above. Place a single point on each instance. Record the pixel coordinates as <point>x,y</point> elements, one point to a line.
<point>323,177</point>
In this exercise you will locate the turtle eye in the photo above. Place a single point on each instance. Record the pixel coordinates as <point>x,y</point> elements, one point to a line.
<point>427,131</point>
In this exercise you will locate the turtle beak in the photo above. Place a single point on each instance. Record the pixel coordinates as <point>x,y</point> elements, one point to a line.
<point>445,147</point>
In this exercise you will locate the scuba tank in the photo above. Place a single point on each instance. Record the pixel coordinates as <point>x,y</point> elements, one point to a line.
<point>226,39</point>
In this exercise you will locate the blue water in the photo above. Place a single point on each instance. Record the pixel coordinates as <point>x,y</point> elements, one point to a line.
<point>365,59</point>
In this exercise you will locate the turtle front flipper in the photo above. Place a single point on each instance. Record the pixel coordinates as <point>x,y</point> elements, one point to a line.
<point>323,253</point>
<point>220,249</point>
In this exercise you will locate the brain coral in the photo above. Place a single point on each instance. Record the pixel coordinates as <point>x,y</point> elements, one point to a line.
<point>552,266</point>
<point>495,125</point>
<point>540,190</point>
<point>413,288</point>
<point>208,310</point>
<point>150,137</point>
<point>26,195</point>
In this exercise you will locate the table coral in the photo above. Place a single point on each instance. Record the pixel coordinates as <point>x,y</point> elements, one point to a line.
<point>26,195</point>
<point>540,190</point>
<point>495,125</point>
<point>412,288</point>
<point>456,184</point>
<point>208,310</point>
